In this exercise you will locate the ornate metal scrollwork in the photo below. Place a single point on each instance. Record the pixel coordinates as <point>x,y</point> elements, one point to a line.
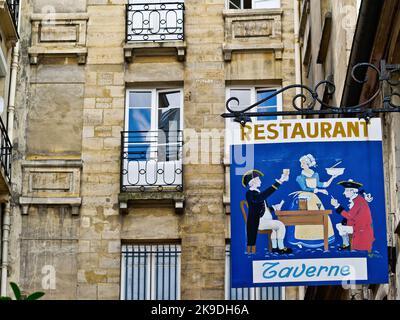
<point>151,161</point>
<point>155,22</point>
<point>310,99</point>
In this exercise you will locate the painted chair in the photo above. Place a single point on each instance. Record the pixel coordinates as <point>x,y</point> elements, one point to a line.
<point>244,206</point>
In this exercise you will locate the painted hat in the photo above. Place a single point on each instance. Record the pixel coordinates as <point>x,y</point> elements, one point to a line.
<point>350,184</point>
<point>250,175</point>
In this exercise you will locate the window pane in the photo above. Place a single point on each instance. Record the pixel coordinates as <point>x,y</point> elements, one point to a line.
<point>169,120</point>
<point>138,142</point>
<point>139,119</point>
<point>244,96</point>
<point>261,94</point>
<point>140,99</point>
<point>266,4</point>
<point>247,4</point>
<point>169,99</point>
<point>234,4</point>
<point>270,109</point>
<point>138,152</point>
<point>267,106</point>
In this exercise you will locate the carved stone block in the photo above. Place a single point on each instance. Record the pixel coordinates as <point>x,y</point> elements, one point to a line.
<point>49,182</point>
<point>253,30</point>
<point>63,34</point>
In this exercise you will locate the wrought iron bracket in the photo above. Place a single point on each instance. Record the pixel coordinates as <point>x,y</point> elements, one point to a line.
<point>309,103</point>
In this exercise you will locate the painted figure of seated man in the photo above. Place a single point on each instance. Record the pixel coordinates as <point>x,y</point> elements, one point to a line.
<point>358,220</point>
<point>260,216</point>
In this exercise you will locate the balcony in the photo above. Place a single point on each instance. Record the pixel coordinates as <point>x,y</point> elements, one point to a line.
<point>9,20</point>
<point>13,6</point>
<point>5,160</point>
<point>155,28</point>
<point>151,167</point>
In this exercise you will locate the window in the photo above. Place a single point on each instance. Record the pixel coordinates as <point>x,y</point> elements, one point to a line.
<point>154,117</point>
<point>253,4</point>
<point>270,293</point>
<point>152,141</point>
<point>150,272</point>
<point>250,95</point>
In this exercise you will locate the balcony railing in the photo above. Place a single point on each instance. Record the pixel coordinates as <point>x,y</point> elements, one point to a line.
<point>13,6</point>
<point>151,161</point>
<point>155,22</point>
<point>6,151</point>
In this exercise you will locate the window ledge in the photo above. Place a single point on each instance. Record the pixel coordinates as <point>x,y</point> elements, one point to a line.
<point>178,48</point>
<point>168,197</point>
<point>229,48</point>
<point>36,52</point>
<point>251,12</point>
<point>75,203</point>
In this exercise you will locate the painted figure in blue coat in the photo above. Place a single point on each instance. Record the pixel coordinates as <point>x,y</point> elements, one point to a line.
<point>260,216</point>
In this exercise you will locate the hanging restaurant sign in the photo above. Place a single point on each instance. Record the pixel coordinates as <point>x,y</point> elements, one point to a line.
<point>307,203</point>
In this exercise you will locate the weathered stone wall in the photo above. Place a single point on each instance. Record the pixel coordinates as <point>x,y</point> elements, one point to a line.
<point>99,254</point>
<point>48,126</point>
<point>344,19</point>
<point>54,124</point>
<point>72,107</point>
<point>203,235</point>
<point>49,247</point>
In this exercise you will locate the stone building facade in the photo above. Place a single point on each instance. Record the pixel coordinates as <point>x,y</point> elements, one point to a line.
<point>85,216</point>
<point>8,72</point>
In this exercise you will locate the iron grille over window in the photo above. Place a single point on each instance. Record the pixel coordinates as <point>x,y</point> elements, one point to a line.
<point>13,6</point>
<point>155,21</point>
<point>6,151</point>
<point>270,293</point>
<point>151,272</point>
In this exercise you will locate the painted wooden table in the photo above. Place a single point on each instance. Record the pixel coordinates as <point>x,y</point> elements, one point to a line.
<point>307,217</point>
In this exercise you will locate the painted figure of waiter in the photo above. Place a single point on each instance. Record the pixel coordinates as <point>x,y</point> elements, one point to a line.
<point>259,216</point>
<point>357,221</point>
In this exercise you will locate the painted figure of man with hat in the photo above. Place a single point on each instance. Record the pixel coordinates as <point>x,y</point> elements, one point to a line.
<point>259,215</point>
<point>358,220</point>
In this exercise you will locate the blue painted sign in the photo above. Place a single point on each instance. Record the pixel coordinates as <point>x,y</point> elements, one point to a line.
<point>307,203</point>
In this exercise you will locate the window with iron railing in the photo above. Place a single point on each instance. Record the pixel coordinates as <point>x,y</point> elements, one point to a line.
<point>151,272</point>
<point>152,141</point>
<point>155,20</point>
<point>265,293</point>
<point>253,4</point>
